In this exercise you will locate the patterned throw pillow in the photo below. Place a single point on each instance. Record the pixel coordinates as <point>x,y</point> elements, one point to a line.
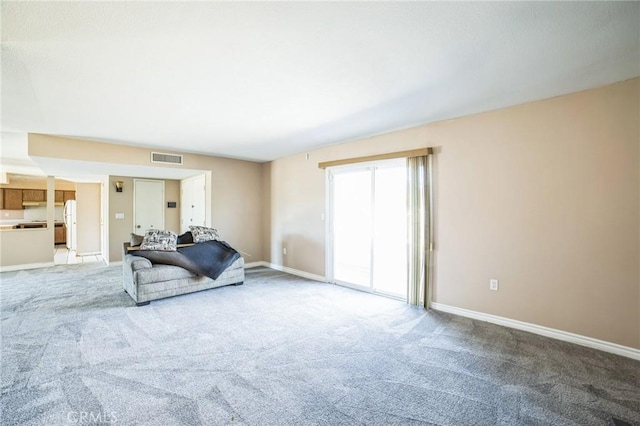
<point>157,239</point>
<point>202,234</point>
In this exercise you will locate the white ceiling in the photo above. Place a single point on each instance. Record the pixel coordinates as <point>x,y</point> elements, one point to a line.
<point>261,81</point>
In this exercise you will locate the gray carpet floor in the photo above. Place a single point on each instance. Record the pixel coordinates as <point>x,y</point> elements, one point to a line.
<point>282,350</point>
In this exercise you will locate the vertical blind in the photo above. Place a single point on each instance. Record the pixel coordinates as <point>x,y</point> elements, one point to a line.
<point>419,230</point>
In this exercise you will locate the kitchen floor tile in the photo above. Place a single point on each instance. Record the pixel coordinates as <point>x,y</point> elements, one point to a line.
<point>64,256</point>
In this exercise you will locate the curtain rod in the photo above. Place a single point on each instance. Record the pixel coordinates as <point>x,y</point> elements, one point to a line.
<point>402,154</point>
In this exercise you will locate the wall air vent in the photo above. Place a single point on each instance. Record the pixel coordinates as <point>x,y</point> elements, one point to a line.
<point>160,157</point>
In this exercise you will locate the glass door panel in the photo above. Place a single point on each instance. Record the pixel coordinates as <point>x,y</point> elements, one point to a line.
<point>390,231</point>
<point>352,227</point>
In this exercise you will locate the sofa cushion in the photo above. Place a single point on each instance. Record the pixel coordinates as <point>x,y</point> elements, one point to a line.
<point>160,273</point>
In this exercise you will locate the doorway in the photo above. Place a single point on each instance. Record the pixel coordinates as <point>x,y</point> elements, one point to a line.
<point>148,205</point>
<point>367,228</point>
<point>79,231</point>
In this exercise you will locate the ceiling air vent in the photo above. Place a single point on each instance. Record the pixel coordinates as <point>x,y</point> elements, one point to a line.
<point>160,157</point>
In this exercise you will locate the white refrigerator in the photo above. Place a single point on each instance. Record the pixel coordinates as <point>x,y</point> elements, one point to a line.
<point>70,223</point>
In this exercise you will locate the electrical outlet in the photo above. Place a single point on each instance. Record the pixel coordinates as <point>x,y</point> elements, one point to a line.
<point>493,285</point>
<point>284,250</point>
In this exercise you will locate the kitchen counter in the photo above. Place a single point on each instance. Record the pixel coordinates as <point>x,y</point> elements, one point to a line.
<point>27,225</point>
<point>11,222</point>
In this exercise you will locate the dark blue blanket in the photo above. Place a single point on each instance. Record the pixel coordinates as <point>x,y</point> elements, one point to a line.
<point>209,258</point>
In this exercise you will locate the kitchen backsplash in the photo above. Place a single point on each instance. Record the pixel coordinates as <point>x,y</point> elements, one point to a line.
<point>40,213</point>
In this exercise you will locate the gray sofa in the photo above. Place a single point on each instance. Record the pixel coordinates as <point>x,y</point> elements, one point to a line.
<point>145,282</point>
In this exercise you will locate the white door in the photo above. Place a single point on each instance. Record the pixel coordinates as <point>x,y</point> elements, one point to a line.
<point>70,212</point>
<point>148,205</point>
<point>193,202</point>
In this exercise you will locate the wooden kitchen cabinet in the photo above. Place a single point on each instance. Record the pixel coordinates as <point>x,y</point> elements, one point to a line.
<point>12,199</point>
<point>60,234</point>
<point>63,196</point>
<point>34,195</point>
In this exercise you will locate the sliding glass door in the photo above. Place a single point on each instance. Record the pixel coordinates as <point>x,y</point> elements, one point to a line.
<point>368,227</point>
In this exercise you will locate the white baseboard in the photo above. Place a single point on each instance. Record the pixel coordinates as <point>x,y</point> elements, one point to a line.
<point>10,268</point>
<point>291,271</point>
<point>255,264</point>
<point>115,263</point>
<point>297,272</point>
<point>543,331</point>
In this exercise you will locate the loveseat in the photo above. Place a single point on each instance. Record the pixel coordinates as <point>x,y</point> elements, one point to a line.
<point>144,281</point>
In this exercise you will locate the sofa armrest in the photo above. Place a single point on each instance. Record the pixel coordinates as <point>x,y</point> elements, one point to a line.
<point>131,264</point>
<point>137,262</point>
<point>134,262</point>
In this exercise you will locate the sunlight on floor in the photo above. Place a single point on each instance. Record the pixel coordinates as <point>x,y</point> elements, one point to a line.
<point>64,256</point>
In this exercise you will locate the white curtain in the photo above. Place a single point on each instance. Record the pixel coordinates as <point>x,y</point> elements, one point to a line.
<point>419,230</point>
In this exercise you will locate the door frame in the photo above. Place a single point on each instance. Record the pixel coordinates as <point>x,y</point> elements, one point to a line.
<point>135,181</point>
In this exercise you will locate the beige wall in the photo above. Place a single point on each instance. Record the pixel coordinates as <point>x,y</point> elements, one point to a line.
<point>65,185</point>
<point>543,196</point>
<point>88,218</point>
<point>26,247</point>
<point>236,205</point>
<point>172,216</point>
<point>119,202</point>
<point>235,200</point>
<point>297,203</point>
<point>39,182</point>
<point>122,202</point>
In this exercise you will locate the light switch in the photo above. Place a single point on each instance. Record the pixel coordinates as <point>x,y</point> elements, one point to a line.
<point>119,215</point>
